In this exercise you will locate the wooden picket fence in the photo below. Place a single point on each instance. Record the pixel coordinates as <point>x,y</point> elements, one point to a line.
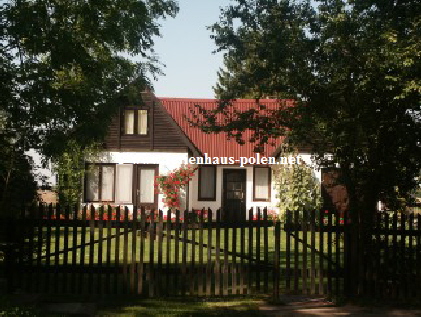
<point>390,265</point>
<point>110,250</point>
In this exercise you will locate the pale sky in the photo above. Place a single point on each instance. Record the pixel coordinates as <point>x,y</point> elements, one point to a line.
<point>186,49</point>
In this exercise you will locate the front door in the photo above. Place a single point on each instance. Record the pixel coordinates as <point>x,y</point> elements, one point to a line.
<point>145,191</point>
<point>234,195</point>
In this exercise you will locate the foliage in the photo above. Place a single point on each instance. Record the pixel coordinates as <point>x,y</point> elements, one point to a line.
<point>18,184</point>
<point>8,308</point>
<point>63,69</point>
<point>171,184</point>
<point>297,188</point>
<point>352,68</point>
<point>70,167</point>
<point>64,74</point>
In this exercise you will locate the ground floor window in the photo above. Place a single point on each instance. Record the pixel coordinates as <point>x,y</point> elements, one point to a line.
<point>99,183</point>
<point>124,183</point>
<point>261,184</point>
<point>207,183</point>
<point>121,184</point>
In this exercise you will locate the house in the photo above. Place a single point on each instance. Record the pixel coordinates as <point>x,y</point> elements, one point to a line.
<point>155,137</point>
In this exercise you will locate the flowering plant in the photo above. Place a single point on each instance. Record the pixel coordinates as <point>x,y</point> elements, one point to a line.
<point>170,185</point>
<point>271,215</point>
<point>97,215</point>
<point>196,214</point>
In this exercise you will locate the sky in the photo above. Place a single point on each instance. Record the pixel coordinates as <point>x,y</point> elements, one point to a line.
<point>186,49</point>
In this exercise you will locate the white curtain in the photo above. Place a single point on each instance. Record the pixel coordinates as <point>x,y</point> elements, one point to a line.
<point>207,182</point>
<point>261,183</point>
<point>147,177</point>
<point>92,184</point>
<point>124,183</point>
<point>129,121</point>
<point>142,122</point>
<point>107,186</point>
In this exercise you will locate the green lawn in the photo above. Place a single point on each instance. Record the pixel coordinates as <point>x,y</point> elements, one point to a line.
<point>240,273</point>
<point>183,307</point>
<point>168,246</point>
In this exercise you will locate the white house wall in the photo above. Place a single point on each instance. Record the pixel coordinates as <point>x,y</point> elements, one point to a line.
<point>214,205</point>
<point>167,161</point>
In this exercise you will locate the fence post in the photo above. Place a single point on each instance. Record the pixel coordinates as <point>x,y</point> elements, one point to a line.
<point>276,263</point>
<point>9,251</point>
<point>347,288</point>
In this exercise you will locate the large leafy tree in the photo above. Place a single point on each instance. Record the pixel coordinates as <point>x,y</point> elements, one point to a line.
<point>352,68</point>
<point>65,67</point>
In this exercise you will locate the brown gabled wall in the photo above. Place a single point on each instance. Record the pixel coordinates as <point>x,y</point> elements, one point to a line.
<point>162,136</point>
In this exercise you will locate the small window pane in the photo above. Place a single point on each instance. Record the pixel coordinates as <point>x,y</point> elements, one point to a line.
<point>129,121</point>
<point>124,183</point>
<point>261,183</point>
<point>147,177</point>
<point>207,182</point>
<point>92,184</point>
<point>107,186</point>
<point>142,122</point>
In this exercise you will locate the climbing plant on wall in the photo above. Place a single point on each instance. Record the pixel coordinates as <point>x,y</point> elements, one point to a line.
<point>296,187</point>
<point>170,185</point>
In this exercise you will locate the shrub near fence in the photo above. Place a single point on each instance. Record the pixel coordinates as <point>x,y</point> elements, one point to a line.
<point>110,250</point>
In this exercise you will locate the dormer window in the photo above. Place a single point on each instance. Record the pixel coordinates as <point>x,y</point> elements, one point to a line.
<point>135,121</point>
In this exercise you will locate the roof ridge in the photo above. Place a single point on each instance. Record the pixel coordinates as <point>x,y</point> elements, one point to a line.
<point>237,100</point>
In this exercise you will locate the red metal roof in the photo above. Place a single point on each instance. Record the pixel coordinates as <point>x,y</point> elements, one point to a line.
<point>218,145</point>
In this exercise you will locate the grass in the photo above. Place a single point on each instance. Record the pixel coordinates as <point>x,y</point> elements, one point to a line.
<point>182,307</point>
<point>192,253</point>
<point>9,307</point>
<point>127,249</point>
<point>12,305</point>
<point>132,255</point>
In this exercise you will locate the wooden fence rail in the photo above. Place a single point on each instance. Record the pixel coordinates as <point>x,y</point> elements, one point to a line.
<point>112,250</point>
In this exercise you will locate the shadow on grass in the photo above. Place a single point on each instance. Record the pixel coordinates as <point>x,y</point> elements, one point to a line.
<point>181,307</point>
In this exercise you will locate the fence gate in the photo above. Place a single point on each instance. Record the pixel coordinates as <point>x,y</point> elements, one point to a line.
<point>112,251</point>
<point>314,253</point>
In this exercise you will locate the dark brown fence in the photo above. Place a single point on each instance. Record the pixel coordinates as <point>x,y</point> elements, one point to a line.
<point>390,266</point>
<point>110,250</point>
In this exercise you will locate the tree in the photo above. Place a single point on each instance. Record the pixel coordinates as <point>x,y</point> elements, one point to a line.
<point>70,168</point>
<point>18,184</point>
<point>353,69</point>
<point>63,67</point>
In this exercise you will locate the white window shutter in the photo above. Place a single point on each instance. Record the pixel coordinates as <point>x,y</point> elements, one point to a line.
<point>124,184</point>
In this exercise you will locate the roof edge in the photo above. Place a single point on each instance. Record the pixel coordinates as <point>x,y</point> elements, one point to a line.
<point>239,100</point>
<point>189,143</point>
